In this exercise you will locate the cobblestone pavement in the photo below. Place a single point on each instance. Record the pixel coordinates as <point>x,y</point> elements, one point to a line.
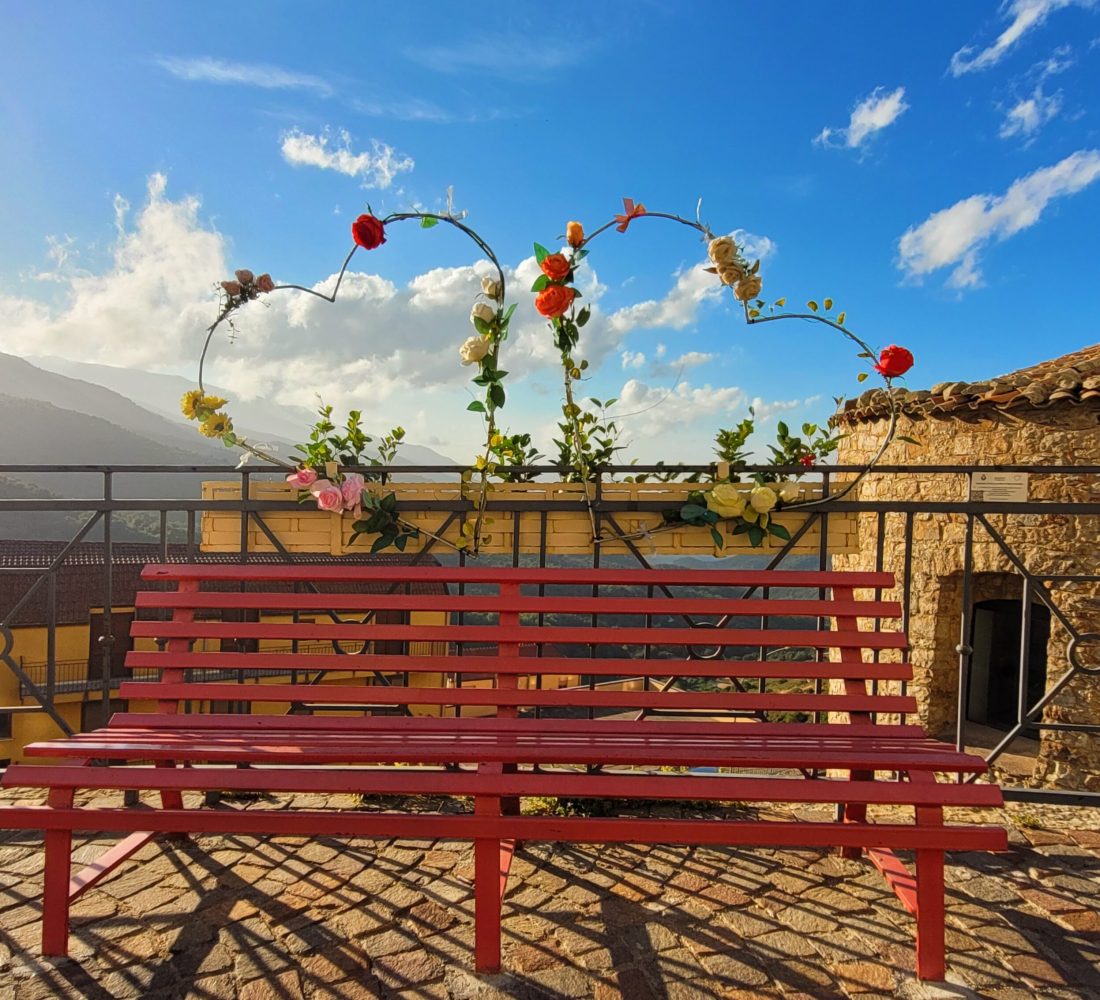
<point>287,918</point>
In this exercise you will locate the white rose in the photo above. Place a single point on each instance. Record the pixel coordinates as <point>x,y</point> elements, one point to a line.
<point>483,311</point>
<point>789,492</point>
<point>473,350</point>
<point>763,499</point>
<point>491,287</point>
<point>722,250</point>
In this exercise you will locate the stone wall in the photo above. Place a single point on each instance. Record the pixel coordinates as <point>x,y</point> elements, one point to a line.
<point>1045,543</point>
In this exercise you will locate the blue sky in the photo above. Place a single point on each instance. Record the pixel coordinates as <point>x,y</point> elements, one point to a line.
<point>935,168</point>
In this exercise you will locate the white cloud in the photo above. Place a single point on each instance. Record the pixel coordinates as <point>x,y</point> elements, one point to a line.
<point>504,55</point>
<point>694,286</point>
<point>648,410</point>
<point>875,112</point>
<point>1030,114</point>
<point>332,151</point>
<point>205,69</point>
<point>1025,15</point>
<point>955,235</point>
<point>633,359</point>
<point>1057,62</point>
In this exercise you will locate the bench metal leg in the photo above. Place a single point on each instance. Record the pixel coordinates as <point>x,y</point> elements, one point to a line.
<point>488,879</point>
<point>931,963</point>
<point>55,893</point>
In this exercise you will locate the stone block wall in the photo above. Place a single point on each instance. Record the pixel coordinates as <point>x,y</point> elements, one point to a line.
<point>1061,434</point>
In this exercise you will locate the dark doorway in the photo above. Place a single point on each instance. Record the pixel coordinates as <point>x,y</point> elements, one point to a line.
<point>993,693</point>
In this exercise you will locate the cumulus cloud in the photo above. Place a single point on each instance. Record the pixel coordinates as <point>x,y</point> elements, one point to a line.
<point>1024,16</point>
<point>876,111</point>
<point>633,359</point>
<point>332,150</point>
<point>1028,115</point>
<point>956,235</point>
<point>653,409</point>
<point>694,287</point>
<point>205,69</point>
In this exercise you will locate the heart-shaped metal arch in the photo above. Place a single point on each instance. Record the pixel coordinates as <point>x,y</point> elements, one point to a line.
<point>249,292</point>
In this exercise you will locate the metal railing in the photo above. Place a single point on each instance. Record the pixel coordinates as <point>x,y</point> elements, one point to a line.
<point>888,541</point>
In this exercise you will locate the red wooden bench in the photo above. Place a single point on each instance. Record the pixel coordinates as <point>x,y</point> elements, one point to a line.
<point>499,743</point>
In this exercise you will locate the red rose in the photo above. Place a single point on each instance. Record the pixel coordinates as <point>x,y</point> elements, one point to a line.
<point>807,460</point>
<point>555,266</point>
<point>554,300</point>
<point>368,232</point>
<point>894,361</point>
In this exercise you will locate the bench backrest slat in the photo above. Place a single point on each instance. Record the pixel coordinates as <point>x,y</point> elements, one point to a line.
<point>507,641</point>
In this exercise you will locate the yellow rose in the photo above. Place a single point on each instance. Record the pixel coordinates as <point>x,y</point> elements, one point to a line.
<point>763,499</point>
<point>726,500</point>
<point>730,273</point>
<point>495,440</point>
<point>749,287</point>
<point>722,250</point>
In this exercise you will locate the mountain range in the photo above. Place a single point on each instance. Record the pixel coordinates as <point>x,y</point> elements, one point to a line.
<point>57,412</point>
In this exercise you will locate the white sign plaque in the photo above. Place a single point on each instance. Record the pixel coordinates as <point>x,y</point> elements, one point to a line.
<point>998,487</point>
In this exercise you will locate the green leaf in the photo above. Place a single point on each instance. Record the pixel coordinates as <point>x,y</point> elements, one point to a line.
<point>496,394</point>
<point>865,354</point>
<point>781,302</point>
<point>477,406</point>
<point>481,326</point>
<point>508,314</point>
<point>401,541</point>
<point>541,253</point>
<point>861,377</point>
<point>540,283</point>
<point>717,536</point>
<point>380,543</point>
<point>908,440</point>
<point>583,316</point>
<point>389,502</point>
<point>753,313</point>
<point>811,305</point>
<point>428,221</point>
<point>840,319</point>
<point>756,535</point>
<point>779,531</point>
<point>692,511</point>
<point>828,304</point>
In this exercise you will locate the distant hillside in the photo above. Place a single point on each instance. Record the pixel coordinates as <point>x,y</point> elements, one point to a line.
<point>22,380</point>
<point>132,526</point>
<point>258,419</point>
<point>36,433</point>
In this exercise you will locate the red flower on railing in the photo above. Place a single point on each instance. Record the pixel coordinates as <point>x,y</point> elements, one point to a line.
<point>894,361</point>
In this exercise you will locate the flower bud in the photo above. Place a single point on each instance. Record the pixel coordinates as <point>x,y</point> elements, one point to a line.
<point>245,276</point>
<point>491,287</point>
<point>473,350</point>
<point>232,287</point>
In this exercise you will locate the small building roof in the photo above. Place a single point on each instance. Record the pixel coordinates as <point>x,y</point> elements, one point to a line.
<point>1073,379</point>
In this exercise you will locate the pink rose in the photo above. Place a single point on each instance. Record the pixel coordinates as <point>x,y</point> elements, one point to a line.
<point>302,479</point>
<point>352,489</point>
<point>327,495</point>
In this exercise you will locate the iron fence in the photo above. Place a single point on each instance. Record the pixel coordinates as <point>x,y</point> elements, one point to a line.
<point>1065,597</point>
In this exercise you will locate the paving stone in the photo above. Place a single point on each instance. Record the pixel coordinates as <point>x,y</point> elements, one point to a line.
<point>864,977</point>
<point>1037,971</point>
<point>286,986</point>
<point>407,969</point>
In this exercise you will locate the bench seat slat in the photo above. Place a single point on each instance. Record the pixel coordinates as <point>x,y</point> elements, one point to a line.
<point>755,752</point>
<point>312,573</point>
<point>281,600</point>
<point>557,635</point>
<point>576,697</point>
<point>490,724</point>
<point>617,667</point>
<point>560,783</point>
<point>587,829</point>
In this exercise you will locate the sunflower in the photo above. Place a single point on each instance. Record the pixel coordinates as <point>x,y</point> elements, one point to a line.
<point>212,402</point>
<point>216,425</point>
<point>191,403</point>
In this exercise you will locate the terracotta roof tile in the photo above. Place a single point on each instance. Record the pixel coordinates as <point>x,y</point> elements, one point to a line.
<point>1073,378</point>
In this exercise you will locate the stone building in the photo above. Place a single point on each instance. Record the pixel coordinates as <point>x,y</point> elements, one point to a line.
<point>1048,414</point>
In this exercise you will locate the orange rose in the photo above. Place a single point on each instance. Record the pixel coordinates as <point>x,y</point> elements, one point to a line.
<point>555,266</point>
<point>574,234</point>
<point>554,300</point>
